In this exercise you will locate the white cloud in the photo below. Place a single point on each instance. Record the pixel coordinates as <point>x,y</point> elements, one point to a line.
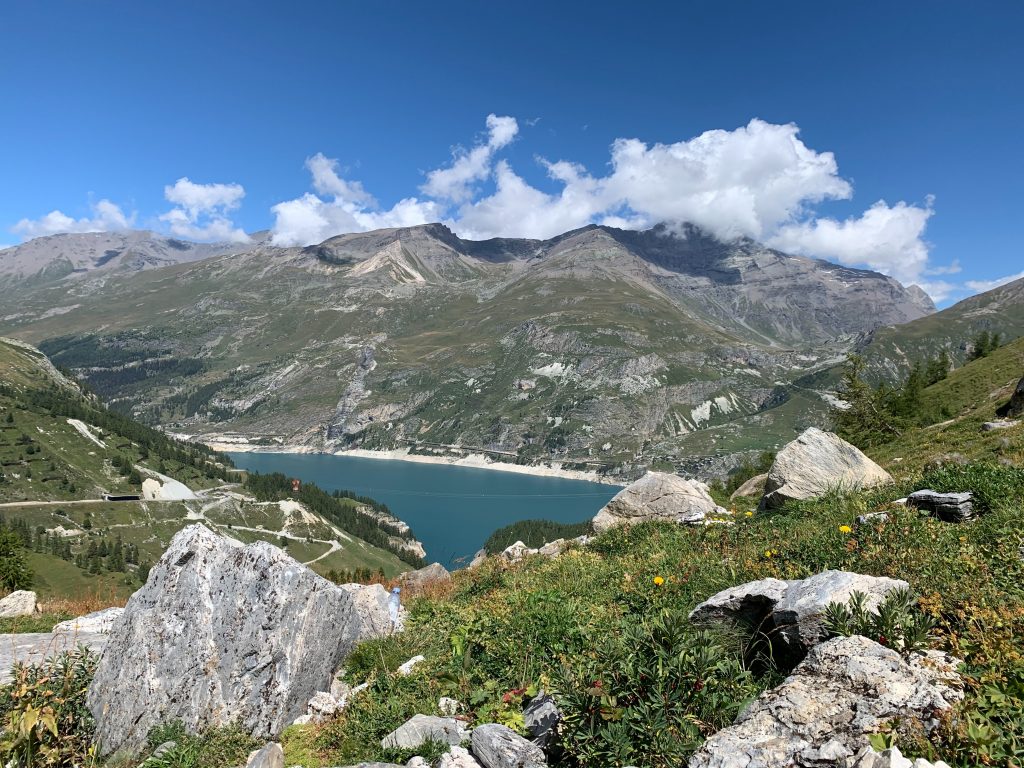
<point>980,286</point>
<point>200,211</point>
<point>759,181</point>
<point>885,238</point>
<point>106,216</point>
<point>455,182</point>
<point>312,219</point>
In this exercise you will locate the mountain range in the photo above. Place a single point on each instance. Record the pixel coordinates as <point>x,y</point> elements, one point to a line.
<point>600,347</point>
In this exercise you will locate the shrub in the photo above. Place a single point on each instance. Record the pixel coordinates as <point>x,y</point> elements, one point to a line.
<point>221,747</point>
<point>650,693</point>
<point>990,484</point>
<point>896,622</point>
<point>45,717</point>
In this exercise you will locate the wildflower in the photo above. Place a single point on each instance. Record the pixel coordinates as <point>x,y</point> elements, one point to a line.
<point>749,514</point>
<point>658,581</point>
<point>768,553</point>
<point>845,529</point>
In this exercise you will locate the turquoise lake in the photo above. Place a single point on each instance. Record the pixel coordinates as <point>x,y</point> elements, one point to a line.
<point>452,510</point>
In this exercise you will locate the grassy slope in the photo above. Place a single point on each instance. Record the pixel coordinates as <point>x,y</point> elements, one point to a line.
<point>504,628</point>
<point>68,467</point>
<point>971,394</point>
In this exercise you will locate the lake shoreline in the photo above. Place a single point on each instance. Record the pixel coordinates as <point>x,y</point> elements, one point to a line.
<point>472,460</point>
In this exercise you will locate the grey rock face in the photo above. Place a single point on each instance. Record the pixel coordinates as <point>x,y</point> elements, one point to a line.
<point>658,496</point>
<point>221,633</point>
<point>271,756</point>
<point>19,603</point>
<point>97,621</point>
<point>951,507</point>
<point>1015,406</point>
<point>497,746</point>
<point>541,718</point>
<point>371,604</point>
<point>420,729</point>
<point>815,462</point>
<point>430,574</point>
<point>791,612</point>
<point>823,713</point>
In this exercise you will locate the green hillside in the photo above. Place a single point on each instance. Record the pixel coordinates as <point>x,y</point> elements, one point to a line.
<point>62,454</point>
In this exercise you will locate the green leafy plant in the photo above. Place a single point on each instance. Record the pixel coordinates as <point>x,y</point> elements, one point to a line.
<point>895,623</point>
<point>213,748</point>
<point>650,693</point>
<point>46,721</point>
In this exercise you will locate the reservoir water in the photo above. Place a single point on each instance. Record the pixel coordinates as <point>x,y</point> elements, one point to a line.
<point>452,510</point>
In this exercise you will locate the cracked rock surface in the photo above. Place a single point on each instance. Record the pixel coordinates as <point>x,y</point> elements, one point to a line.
<point>221,633</point>
<point>823,713</point>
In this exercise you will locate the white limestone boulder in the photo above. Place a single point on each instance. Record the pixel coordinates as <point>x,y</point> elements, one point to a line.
<point>658,496</point>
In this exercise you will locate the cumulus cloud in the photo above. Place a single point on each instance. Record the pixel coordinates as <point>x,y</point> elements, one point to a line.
<point>888,239</point>
<point>455,182</point>
<point>759,180</point>
<point>201,210</point>
<point>106,216</point>
<point>980,286</point>
<point>312,219</point>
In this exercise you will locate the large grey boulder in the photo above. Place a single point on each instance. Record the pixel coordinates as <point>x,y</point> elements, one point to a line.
<point>791,613</point>
<point>658,496</point>
<point>497,746</point>
<point>19,603</point>
<point>822,715</point>
<point>891,758</point>
<point>36,647</point>
<point>221,633</point>
<point>371,603</point>
<point>420,729</point>
<point>1015,406</point>
<point>430,574</point>
<point>814,463</point>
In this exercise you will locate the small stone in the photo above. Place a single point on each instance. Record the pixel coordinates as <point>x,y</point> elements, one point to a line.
<point>872,517</point>
<point>406,669</point>
<point>448,706</point>
<point>164,748</point>
<point>271,756</point>
<point>417,762</point>
<point>19,603</point>
<point>322,705</point>
<point>457,757</point>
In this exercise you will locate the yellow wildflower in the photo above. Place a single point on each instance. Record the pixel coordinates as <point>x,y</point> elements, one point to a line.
<point>767,553</point>
<point>658,581</point>
<point>845,529</point>
<point>749,514</point>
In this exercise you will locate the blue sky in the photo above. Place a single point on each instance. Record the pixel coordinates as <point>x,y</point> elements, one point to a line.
<point>312,118</point>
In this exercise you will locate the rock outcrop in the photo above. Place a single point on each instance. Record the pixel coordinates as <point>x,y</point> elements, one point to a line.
<point>221,633</point>
<point>96,622</point>
<point>270,756</point>
<point>823,714</point>
<point>891,758</point>
<point>951,507</point>
<point>420,729</point>
<point>541,717</point>
<point>658,496</point>
<point>814,463</point>
<point>430,574</point>
<point>19,603</point>
<point>497,746</point>
<point>791,613</point>
<point>1015,406</point>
